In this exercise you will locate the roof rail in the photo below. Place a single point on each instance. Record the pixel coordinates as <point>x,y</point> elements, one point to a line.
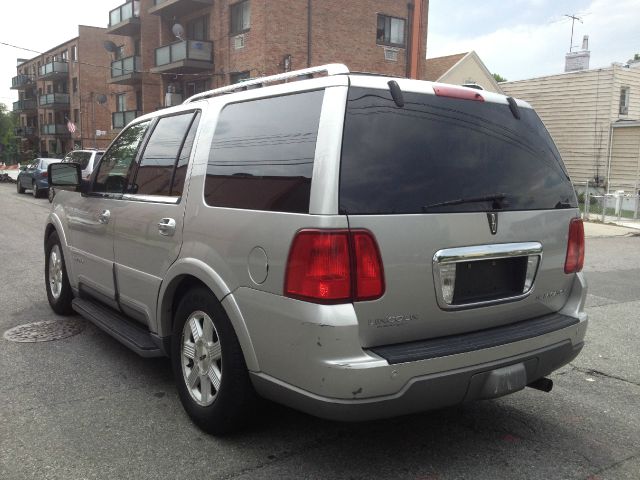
<point>330,69</point>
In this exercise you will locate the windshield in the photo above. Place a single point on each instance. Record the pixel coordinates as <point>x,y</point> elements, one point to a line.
<point>446,155</point>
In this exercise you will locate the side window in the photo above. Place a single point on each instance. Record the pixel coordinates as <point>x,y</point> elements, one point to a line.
<point>262,154</point>
<point>116,163</point>
<point>156,171</point>
<point>183,161</point>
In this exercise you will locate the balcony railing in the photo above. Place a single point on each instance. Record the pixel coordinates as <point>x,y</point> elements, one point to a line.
<point>54,99</point>
<point>25,131</point>
<point>54,129</point>
<point>177,7</point>
<point>21,81</point>
<point>125,67</point>
<point>125,20</point>
<point>54,68</point>
<point>122,119</point>
<point>193,55</point>
<point>26,104</point>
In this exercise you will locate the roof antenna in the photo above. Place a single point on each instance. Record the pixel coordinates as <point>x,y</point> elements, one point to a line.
<point>396,93</point>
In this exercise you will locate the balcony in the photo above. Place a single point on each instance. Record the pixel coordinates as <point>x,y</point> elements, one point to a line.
<point>22,82</point>
<point>53,70</point>
<point>126,71</point>
<point>189,56</point>
<point>121,119</point>
<point>54,101</point>
<point>176,8</point>
<point>25,105</point>
<point>25,131</point>
<point>125,20</point>
<point>57,129</point>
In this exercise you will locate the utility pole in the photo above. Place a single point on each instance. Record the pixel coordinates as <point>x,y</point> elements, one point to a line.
<point>573,21</point>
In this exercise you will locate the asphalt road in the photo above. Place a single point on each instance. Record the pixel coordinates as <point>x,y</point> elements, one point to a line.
<point>87,408</point>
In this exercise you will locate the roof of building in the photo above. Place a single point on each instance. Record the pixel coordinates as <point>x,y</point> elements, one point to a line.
<point>437,67</point>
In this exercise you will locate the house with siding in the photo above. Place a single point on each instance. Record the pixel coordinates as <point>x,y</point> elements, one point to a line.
<point>594,117</point>
<point>461,69</point>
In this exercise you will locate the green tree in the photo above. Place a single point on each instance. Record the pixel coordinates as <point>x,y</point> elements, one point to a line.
<point>7,135</point>
<point>636,56</point>
<point>499,78</point>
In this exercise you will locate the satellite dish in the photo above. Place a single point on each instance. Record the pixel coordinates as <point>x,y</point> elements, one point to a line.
<point>101,99</point>
<point>109,46</point>
<point>178,31</point>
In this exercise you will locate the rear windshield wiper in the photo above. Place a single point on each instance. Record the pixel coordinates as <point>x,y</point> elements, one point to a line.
<point>496,198</point>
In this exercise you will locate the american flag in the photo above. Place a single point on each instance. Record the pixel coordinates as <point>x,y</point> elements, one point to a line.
<point>71,126</point>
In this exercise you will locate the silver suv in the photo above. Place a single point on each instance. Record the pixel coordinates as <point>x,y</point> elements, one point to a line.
<point>352,246</point>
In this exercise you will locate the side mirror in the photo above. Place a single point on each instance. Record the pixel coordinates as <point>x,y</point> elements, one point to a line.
<point>67,176</point>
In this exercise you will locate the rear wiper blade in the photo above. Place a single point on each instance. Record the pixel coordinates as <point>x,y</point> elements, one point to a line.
<point>497,198</point>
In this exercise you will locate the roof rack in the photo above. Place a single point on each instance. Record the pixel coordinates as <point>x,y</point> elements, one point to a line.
<point>330,69</point>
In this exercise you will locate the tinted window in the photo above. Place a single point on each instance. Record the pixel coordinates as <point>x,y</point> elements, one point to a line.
<point>183,161</point>
<point>81,158</point>
<point>116,163</point>
<point>262,154</point>
<point>156,169</point>
<point>435,150</point>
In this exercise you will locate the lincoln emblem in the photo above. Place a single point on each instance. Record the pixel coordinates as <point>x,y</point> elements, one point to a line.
<point>493,222</point>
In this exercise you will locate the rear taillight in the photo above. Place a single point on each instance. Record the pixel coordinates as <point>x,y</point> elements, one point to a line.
<point>457,92</point>
<point>575,247</point>
<point>334,266</point>
<point>44,174</point>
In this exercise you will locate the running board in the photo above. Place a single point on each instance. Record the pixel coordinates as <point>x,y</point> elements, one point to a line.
<point>119,327</point>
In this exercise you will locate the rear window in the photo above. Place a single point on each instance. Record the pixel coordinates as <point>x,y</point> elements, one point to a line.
<point>443,155</point>
<point>262,154</point>
<point>82,158</point>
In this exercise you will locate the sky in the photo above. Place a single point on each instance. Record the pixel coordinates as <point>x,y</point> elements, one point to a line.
<point>516,38</point>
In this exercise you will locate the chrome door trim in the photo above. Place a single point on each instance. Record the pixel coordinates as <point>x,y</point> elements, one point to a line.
<point>151,198</point>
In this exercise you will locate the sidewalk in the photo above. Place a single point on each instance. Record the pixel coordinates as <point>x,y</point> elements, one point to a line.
<point>620,229</point>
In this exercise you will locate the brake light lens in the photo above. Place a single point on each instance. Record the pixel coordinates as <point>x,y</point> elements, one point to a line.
<point>369,277</point>
<point>457,92</point>
<point>45,174</point>
<point>575,247</point>
<point>334,266</point>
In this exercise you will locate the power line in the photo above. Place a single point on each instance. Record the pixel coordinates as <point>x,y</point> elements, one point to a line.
<point>109,66</point>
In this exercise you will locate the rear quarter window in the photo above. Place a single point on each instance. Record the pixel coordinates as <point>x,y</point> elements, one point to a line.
<point>262,154</point>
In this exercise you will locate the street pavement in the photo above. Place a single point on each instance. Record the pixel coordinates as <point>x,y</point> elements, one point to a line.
<point>87,408</point>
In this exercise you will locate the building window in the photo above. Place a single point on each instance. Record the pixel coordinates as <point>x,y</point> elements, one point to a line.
<point>64,56</point>
<point>74,53</point>
<point>198,29</point>
<point>239,77</point>
<point>76,116</point>
<point>624,100</point>
<point>121,102</point>
<point>74,84</point>
<point>198,86</point>
<point>240,17</point>
<point>390,31</point>
<point>139,100</point>
<point>136,47</point>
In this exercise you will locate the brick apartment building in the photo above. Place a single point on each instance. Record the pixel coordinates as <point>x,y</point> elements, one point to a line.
<point>64,84</point>
<point>158,52</point>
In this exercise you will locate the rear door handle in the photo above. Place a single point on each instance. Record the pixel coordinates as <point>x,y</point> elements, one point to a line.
<point>167,227</point>
<point>104,217</point>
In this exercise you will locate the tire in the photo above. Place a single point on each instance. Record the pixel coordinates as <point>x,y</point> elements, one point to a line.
<point>232,400</point>
<point>34,189</point>
<point>57,284</point>
<point>19,186</point>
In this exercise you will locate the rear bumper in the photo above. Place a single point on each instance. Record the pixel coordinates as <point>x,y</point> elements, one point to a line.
<point>428,392</point>
<point>310,357</point>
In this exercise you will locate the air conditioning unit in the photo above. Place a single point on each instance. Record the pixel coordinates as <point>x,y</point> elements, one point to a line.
<point>172,99</point>
<point>391,54</point>
<point>239,41</point>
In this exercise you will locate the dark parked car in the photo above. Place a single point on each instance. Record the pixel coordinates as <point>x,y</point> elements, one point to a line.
<point>34,176</point>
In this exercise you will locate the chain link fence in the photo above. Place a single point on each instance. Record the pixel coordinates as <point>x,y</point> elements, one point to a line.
<point>618,207</point>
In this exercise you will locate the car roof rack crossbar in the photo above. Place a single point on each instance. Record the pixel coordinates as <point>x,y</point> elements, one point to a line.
<point>329,69</point>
